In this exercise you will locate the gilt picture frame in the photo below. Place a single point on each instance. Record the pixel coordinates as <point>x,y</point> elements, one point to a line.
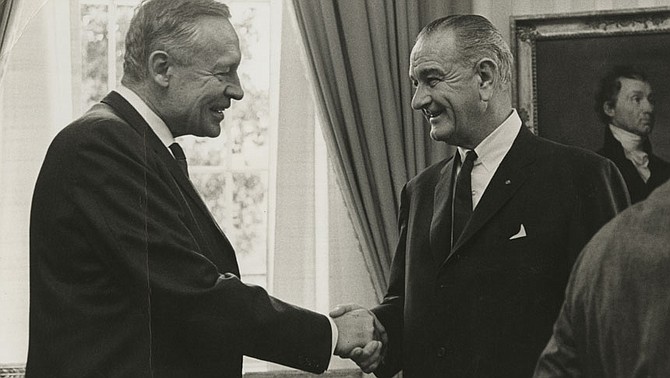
<point>560,59</point>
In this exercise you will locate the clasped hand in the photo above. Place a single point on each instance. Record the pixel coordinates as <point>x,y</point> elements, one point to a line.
<point>361,338</point>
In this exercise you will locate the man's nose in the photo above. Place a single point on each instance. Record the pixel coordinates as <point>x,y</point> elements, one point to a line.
<point>648,106</point>
<point>234,89</point>
<point>420,99</point>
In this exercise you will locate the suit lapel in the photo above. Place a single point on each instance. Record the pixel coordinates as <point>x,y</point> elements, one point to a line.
<point>508,178</point>
<point>135,120</point>
<point>440,224</point>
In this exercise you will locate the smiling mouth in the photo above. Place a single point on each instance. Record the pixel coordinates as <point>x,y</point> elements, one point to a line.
<point>429,115</point>
<point>218,109</point>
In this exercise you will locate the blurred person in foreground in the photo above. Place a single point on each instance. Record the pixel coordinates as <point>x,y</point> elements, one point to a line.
<point>488,237</point>
<point>615,320</point>
<point>130,274</point>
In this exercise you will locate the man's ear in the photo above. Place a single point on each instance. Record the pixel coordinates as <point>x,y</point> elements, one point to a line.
<point>159,68</point>
<point>487,70</point>
<point>608,108</point>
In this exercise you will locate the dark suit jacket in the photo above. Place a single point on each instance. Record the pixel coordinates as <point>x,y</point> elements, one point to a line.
<point>131,277</point>
<point>486,308</point>
<point>637,188</point>
<point>615,322</point>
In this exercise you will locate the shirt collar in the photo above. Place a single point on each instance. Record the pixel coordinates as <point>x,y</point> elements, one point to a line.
<point>155,122</point>
<point>495,146</point>
<point>628,140</point>
<point>633,146</point>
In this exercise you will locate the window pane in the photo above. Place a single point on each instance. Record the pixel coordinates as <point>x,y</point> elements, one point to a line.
<point>123,14</point>
<point>249,221</point>
<point>204,151</point>
<point>211,187</point>
<point>248,119</point>
<point>94,54</point>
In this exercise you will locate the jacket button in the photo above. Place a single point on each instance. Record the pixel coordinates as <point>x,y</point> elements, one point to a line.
<point>441,352</point>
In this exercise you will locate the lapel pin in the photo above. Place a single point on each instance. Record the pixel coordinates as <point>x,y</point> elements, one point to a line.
<point>507,182</point>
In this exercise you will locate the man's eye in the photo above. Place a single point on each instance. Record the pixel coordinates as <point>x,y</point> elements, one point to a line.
<point>221,74</point>
<point>433,82</point>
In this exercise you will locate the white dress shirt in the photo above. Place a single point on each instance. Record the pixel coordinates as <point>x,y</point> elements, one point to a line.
<point>490,153</point>
<point>633,150</point>
<point>165,135</point>
<point>155,122</point>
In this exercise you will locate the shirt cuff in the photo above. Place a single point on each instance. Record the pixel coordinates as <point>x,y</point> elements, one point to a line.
<point>335,333</point>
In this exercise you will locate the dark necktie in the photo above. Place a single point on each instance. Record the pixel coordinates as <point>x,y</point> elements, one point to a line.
<point>179,157</point>
<point>462,205</point>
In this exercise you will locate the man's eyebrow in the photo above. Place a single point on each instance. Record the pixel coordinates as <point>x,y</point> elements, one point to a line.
<point>422,73</point>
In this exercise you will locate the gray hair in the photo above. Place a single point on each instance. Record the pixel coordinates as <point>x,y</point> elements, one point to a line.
<point>475,38</point>
<point>168,25</point>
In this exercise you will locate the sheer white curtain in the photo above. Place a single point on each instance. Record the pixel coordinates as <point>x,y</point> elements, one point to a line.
<point>34,102</point>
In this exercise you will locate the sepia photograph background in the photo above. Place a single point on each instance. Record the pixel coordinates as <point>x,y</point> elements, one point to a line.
<point>268,178</point>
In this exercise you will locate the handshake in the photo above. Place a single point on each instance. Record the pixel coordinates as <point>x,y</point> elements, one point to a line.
<point>361,337</point>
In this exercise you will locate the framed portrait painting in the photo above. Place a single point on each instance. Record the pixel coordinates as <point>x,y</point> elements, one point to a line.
<point>561,58</point>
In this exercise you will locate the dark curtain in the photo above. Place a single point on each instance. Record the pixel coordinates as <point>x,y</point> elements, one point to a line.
<point>359,51</point>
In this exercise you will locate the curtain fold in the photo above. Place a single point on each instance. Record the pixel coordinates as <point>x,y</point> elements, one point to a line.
<point>358,51</point>
<point>7,11</point>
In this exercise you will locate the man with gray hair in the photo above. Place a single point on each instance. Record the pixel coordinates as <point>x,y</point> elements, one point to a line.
<point>488,237</point>
<point>130,275</point>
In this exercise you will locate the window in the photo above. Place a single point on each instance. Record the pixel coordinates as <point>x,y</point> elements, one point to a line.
<point>231,172</point>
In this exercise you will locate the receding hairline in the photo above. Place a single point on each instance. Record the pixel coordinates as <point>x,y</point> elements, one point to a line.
<point>426,41</point>
<point>166,25</point>
<point>446,38</point>
<point>473,37</point>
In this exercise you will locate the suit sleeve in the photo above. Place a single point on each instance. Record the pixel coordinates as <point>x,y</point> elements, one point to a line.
<point>390,311</point>
<point>126,209</point>
<point>603,195</point>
